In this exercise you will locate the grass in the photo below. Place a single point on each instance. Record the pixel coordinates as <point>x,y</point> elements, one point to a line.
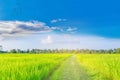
<point>59,67</point>
<point>29,66</point>
<point>70,70</point>
<point>101,66</point>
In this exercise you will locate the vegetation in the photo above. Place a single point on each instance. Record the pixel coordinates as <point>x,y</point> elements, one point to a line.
<point>101,66</point>
<point>110,51</point>
<point>38,64</point>
<point>29,66</point>
<point>70,70</point>
<point>59,66</point>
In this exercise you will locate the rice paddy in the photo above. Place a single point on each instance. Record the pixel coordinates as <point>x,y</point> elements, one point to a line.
<point>101,66</point>
<point>29,66</point>
<point>59,67</point>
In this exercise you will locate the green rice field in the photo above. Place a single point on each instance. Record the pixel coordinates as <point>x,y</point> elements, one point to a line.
<point>29,66</point>
<point>59,67</point>
<point>101,66</point>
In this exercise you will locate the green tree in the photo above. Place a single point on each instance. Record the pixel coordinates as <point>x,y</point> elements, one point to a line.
<point>13,51</point>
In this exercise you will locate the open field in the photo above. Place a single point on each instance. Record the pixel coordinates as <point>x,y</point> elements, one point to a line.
<point>101,66</point>
<point>29,66</point>
<point>59,67</point>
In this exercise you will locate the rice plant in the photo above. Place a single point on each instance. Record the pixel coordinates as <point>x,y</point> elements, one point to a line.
<point>101,66</point>
<point>29,66</point>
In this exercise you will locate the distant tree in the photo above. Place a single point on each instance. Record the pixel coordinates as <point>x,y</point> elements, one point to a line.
<point>18,51</point>
<point>13,51</point>
<point>110,51</point>
<point>28,51</point>
<point>118,50</point>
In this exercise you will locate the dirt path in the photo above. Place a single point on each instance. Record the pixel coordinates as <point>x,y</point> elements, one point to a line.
<point>70,70</point>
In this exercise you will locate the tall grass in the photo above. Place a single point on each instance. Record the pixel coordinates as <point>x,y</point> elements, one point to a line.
<point>101,66</point>
<point>28,66</point>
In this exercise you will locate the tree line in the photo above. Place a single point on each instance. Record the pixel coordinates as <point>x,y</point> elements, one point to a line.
<point>37,51</point>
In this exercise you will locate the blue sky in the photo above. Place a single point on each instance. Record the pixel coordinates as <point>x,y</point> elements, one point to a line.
<point>43,23</point>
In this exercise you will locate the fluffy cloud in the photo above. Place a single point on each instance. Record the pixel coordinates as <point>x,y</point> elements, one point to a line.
<point>13,28</point>
<point>57,28</point>
<point>47,40</point>
<point>58,20</point>
<point>71,29</point>
<point>68,41</point>
<point>66,29</point>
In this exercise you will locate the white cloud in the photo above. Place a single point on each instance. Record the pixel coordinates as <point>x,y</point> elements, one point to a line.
<point>57,28</point>
<point>23,28</point>
<point>58,20</point>
<point>68,41</point>
<point>71,29</point>
<point>62,29</point>
<point>19,28</point>
<point>47,40</point>
<point>13,29</point>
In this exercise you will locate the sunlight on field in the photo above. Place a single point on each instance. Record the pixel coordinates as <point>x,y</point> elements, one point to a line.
<point>43,66</point>
<point>28,66</point>
<point>101,66</point>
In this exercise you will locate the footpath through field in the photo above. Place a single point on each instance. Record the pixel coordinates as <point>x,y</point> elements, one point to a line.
<point>70,70</point>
